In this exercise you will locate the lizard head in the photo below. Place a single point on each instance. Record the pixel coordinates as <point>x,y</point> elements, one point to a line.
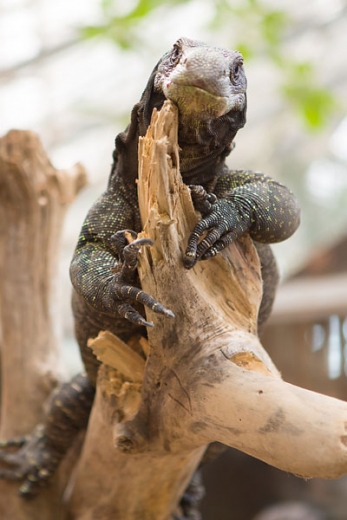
<point>208,85</point>
<point>204,82</point>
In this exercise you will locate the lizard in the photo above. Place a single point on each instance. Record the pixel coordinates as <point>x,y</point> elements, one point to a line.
<point>208,85</point>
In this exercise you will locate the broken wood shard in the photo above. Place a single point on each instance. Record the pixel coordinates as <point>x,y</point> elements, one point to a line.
<point>112,351</point>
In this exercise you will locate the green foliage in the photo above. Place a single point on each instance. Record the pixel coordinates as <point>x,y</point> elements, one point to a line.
<point>121,27</point>
<point>312,102</point>
<point>259,31</point>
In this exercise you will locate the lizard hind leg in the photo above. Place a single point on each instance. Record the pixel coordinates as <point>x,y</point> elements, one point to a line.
<point>40,453</point>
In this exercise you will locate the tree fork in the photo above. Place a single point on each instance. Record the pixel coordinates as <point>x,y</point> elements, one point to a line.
<point>206,377</point>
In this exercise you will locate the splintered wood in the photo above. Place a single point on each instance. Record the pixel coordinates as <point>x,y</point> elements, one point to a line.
<point>216,303</point>
<point>114,352</point>
<point>206,377</point>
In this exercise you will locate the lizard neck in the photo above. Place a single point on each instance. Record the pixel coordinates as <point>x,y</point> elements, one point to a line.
<point>205,144</point>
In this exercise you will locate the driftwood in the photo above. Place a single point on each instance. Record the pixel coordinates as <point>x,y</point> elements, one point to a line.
<point>206,377</point>
<point>33,201</point>
<point>202,376</point>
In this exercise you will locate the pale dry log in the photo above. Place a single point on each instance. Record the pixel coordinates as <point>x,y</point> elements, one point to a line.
<point>235,395</point>
<point>117,483</point>
<point>33,200</point>
<point>207,377</point>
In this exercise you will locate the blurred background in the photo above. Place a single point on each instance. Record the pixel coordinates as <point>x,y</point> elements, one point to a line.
<point>72,70</point>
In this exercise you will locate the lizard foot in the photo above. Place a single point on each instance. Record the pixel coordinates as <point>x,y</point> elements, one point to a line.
<point>128,247</point>
<point>33,462</point>
<point>223,222</point>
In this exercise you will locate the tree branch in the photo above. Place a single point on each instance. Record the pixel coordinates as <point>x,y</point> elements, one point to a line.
<point>206,378</point>
<point>33,200</point>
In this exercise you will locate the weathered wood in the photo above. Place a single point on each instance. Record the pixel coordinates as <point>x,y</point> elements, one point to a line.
<point>115,353</point>
<point>234,395</point>
<point>33,200</point>
<point>163,455</point>
<point>207,377</point>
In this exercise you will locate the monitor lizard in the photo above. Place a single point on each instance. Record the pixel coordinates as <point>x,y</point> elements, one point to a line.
<point>208,85</point>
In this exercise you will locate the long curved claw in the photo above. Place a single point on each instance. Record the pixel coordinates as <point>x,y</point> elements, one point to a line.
<point>123,292</point>
<point>16,442</point>
<point>120,240</point>
<point>129,313</point>
<point>224,222</point>
<point>126,293</point>
<point>128,247</point>
<point>132,250</point>
<point>29,489</point>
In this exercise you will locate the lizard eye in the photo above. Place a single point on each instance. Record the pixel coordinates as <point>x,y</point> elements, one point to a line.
<point>176,53</point>
<point>236,70</point>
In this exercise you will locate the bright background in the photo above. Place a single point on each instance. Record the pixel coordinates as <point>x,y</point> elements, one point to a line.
<point>72,70</point>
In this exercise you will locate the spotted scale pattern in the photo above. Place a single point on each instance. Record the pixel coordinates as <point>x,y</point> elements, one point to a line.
<point>242,202</point>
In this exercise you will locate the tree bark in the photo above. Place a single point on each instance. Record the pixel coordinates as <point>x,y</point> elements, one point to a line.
<point>33,201</point>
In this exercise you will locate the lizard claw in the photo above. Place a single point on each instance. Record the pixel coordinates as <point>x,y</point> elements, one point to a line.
<point>223,222</point>
<point>125,293</point>
<point>128,246</point>
<point>18,442</point>
<point>33,462</point>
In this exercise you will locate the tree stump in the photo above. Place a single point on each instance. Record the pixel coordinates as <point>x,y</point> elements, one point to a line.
<point>206,376</point>
<point>33,200</point>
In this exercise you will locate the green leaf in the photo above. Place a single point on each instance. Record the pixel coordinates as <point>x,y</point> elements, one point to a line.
<point>272,26</point>
<point>91,31</point>
<point>246,50</point>
<point>315,105</point>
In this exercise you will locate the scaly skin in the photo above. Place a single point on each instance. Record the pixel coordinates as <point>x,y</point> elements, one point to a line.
<point>208,85</point>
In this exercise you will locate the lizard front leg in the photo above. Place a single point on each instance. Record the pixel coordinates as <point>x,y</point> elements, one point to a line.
<point>221,224</point>
<point>104,267</point>
<point>243,202</point>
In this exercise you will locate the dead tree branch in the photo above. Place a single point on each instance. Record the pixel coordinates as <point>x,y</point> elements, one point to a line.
<point>33,201</point>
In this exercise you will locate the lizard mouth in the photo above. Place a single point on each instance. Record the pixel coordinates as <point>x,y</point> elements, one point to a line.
<point>195,99</point>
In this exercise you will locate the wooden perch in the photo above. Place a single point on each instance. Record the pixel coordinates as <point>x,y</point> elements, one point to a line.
<point>234,394</point>
<point>33,200</point>
<point>207,377</point>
